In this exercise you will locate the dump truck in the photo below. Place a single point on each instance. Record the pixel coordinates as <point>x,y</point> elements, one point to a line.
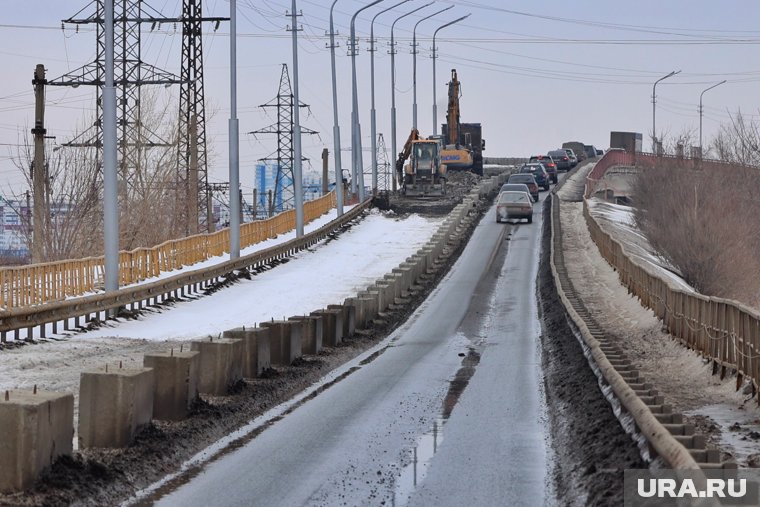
<point>419,168</point>
<point>463,143</point>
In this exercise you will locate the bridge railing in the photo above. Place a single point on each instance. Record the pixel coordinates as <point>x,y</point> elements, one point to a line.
<point>722,330</point>
<point>37,284</point>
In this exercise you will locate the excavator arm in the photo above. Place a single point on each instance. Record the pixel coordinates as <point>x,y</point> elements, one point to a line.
<point>452,116</point>
<point>403,155</point>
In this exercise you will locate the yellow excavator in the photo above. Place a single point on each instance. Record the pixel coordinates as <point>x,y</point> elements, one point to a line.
<point>424,174</point>
<point>462,142</point>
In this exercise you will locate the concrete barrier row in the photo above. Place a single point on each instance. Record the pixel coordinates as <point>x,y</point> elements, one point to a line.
<point>115,403</point>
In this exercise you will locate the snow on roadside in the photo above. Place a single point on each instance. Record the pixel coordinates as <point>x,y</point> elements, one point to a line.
<point>311,279</point>
<point>325,274</point>
<point>269,243</point>
<point>619,222</point>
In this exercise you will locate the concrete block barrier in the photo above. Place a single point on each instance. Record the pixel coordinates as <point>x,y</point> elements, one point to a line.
<point>256,349</point>
<point>395,284</point>
<point>387,296</point>
<point>35,428</point>
<point>332,326</point>
<point>221,364</point>
<point>114,403</point>
<point>311,333</point>
<point>175,388</point>
<point>286,344</point>
<point>348,315</point>
<point>374,300</point>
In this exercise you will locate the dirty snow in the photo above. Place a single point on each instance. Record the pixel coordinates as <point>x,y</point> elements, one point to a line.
<point>681,375</point>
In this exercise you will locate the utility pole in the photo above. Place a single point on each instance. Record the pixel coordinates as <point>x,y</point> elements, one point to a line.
<point>39,169</point>
<point>297,164</point>
<point>336,127</point>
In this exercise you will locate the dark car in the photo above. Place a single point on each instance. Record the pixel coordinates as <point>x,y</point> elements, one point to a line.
<point>562,159</point>
<point>573,158</point>
<point>590,150</point>
<point>549,164</point>
<point>526,179</point>
<point>539,172</point>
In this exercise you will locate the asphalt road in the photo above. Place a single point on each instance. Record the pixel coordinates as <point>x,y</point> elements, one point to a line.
<point>450,412</point>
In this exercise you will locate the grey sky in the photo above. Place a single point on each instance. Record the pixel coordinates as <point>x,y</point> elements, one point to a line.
<point>547,72</point>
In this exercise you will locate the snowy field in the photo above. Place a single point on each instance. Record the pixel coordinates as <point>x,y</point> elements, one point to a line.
<point>312,279</point>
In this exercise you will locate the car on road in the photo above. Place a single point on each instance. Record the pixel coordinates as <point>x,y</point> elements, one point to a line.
<point>514,187</point>
<point>599,153</point>
<point>590,150</point>
<point>572,156</point>
<point>539,172</point>
<point>514,204</point>
<point>528,180</point>
<point>562,160</point>
<point>549,164</point>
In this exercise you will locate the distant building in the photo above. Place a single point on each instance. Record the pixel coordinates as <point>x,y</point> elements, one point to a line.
<point>12,239</point>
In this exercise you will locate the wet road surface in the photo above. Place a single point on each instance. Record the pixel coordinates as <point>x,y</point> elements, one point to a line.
<point>451,413</point>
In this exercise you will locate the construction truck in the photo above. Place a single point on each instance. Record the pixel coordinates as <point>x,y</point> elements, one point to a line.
<point>419,168</point>
<point>463,142</point>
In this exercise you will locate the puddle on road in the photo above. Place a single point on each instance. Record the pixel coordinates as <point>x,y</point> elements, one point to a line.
<point>426,445</point>
<point>421,456</point>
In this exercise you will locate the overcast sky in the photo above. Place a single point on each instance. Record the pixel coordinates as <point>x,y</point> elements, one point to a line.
<point>534,73</point>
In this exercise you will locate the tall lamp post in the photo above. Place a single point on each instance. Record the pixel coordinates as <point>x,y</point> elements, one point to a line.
<point>393,86</point>
<point>356,140</point>
<point>701,111</point>
<point>435,107</point>
<point>372,79</point>
<point>234,152</point>
<point>654,104</point>
<point>414,62</point>
<point>336,127</point>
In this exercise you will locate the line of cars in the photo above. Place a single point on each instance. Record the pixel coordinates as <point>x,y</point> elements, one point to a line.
<point>517,196</point>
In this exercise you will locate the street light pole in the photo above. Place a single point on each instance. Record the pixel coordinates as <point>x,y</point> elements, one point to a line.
<point>414,62</point>
<point>110,159</point>
<point>435,106</point>
<point>234,152</point>
<point>393,87</point>
<point>372,79</point>
<point>700,114</point>
<point>356,141</point>
<point>654,104</point>
<point>336,127</point>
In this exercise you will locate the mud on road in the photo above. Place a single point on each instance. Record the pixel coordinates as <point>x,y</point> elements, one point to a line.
<point>112,476</point>
<point>591,449</point>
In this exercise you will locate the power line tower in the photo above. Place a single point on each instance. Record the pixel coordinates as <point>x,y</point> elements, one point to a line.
<point>130,75</point>
<point>192,163</point>
<point>383,165</point>
<point>284,103</point>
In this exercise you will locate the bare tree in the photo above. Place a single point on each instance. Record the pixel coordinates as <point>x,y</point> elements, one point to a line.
<point>150,201</point>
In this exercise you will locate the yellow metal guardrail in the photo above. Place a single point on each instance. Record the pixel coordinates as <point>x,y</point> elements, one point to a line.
<point>38,284</point>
